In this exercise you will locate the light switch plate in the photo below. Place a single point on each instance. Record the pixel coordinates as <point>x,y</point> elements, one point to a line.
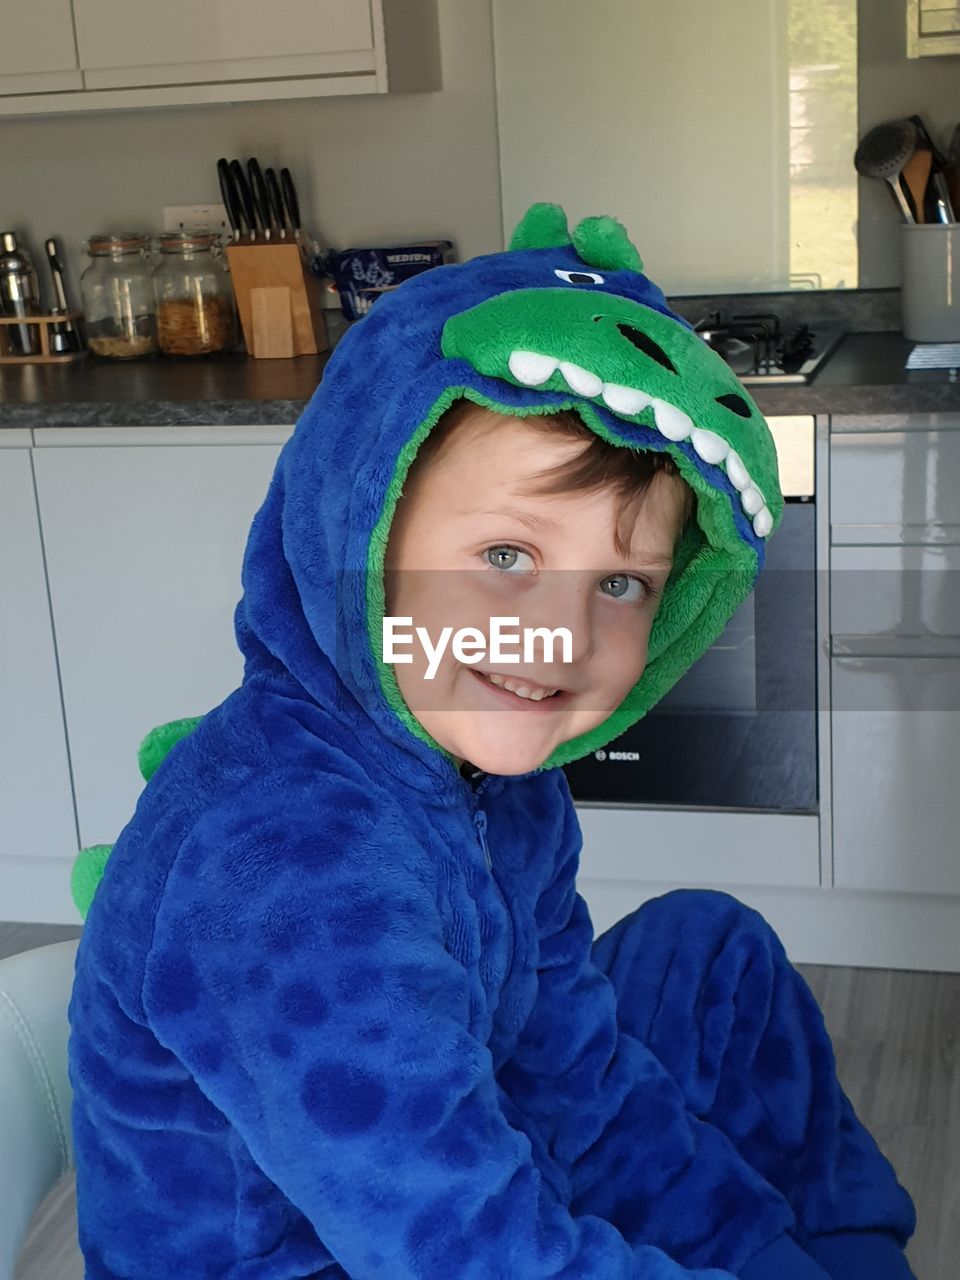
<point>195,217</point>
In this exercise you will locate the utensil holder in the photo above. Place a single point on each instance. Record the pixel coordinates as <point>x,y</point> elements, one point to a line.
<point>278,300</point>
<point>930,289</point>
<point>42,324</point>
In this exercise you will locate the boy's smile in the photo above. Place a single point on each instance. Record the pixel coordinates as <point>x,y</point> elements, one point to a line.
<point>468,544</point>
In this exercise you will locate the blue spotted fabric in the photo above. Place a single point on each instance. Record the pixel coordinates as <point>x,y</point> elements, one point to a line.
<point>338,1008</point>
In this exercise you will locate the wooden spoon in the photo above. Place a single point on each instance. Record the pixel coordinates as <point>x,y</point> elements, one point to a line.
<point>915,175</point>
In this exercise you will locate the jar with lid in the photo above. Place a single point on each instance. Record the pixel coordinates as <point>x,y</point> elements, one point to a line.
<point>195,311</point>
<point>118,299</point>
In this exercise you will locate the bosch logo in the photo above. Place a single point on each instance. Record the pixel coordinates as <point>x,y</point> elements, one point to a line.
<point>617,755</point>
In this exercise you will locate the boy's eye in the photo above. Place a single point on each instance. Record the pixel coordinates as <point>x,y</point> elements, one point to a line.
<point>579,277</point>
<point>506,557</point>
<point>626,587</point>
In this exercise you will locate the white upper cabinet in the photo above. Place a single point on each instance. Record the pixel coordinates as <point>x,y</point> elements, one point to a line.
<point>933,26</point>
<point>38,52</point>
<point>139,42</point>
<point>137,53</point>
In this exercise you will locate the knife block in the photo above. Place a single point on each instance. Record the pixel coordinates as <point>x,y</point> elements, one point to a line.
<point>278,299</point>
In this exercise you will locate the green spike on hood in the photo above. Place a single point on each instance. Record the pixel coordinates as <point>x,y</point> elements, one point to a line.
<point>603,242</point>
<point>89,863</point>
<point>543,226</point>
<point>600,241</point>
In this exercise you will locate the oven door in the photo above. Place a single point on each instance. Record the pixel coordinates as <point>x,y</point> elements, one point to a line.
<point>739,730</point>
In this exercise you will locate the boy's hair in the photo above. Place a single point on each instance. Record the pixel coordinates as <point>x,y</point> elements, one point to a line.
<point>599,466</point>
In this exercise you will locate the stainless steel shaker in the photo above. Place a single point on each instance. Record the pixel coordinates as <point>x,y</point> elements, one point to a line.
<point>19,293</point>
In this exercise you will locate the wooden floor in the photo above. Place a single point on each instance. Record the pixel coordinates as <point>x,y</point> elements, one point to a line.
<point>897,1042</point>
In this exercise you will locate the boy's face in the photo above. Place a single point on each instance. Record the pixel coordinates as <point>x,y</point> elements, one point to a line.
<point>456,557</point>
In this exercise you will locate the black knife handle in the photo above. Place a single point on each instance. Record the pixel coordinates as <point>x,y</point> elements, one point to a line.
<point>290,198</point>
<point>243,195</point>
<point>258,191</point>
<point>230,201</point>
<point>276,201</point>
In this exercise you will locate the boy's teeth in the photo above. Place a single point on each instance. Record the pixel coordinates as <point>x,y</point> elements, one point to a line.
<point>521,690</point>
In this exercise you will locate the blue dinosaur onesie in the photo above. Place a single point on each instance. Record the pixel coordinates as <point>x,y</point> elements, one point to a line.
<point>338,1009</point>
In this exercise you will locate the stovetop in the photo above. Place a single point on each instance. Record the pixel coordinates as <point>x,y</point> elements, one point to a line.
<point>758,349</point>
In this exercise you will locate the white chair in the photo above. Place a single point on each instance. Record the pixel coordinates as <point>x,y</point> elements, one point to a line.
<point>36,1145</point>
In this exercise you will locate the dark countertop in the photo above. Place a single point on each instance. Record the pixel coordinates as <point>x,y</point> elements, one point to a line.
<point>865,375</point>
<point>233,390</point>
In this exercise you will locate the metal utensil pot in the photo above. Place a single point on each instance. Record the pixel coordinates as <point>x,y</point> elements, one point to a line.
<point>19,293</point>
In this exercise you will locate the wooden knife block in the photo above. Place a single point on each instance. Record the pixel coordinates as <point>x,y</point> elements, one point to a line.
<point>278,300</point>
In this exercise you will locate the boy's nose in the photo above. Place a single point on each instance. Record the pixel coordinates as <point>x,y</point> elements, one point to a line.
<point>563,599</point>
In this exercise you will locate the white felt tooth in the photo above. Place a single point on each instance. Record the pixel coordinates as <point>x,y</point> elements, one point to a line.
<point>672,422</point>
<point>582,381</point>
<point>531,368</point>
<point>751,500</point>
<point>736,471</point>
<point>625,400</point>
<point>762,522</point>
<point>710,446</point>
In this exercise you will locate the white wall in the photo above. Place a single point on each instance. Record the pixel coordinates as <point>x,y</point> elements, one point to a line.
<point>369,169</point>
<point>673,118</point>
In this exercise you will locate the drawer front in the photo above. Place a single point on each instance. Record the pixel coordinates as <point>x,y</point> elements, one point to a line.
<point>112,34</point>
<point>895,730</point>
<point>903,599</point>
<point>895,486</point>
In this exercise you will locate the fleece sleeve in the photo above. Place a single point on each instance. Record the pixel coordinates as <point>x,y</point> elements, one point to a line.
<point>610,1113</point>
<point>298,970</point>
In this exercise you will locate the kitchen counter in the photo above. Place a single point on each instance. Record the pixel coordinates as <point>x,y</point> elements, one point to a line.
<point>865,375</point>
<point>234,390</point>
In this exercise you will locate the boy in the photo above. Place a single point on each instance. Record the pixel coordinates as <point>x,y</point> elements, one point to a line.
<point>338,1010</point>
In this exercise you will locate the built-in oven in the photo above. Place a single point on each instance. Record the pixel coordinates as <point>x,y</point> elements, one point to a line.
<point>739,730</point>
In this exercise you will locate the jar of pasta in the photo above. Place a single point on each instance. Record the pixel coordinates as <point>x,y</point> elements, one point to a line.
<point>118,302</point>
<point>195,311</point>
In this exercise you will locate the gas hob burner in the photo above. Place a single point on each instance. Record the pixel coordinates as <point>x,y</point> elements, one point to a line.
<point>757,349</point>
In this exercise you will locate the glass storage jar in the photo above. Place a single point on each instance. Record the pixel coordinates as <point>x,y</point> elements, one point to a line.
<point>195,311</point>
<point>118,299</point>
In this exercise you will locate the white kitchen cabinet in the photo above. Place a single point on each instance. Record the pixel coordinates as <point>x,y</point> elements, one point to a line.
<point>896,601</point>
<point>36,809</point>
<point>144,544</point>
<point>933,27</point>
<point>898,485</point>
<point>38,52</point>
<point>135,53</point>
<point>895,655</point>
<point>896,749</point>
<point>127,40</point>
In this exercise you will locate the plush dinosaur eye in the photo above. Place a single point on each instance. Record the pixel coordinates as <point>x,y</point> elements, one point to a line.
<point>736,404</point>
<point>579,277</point>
